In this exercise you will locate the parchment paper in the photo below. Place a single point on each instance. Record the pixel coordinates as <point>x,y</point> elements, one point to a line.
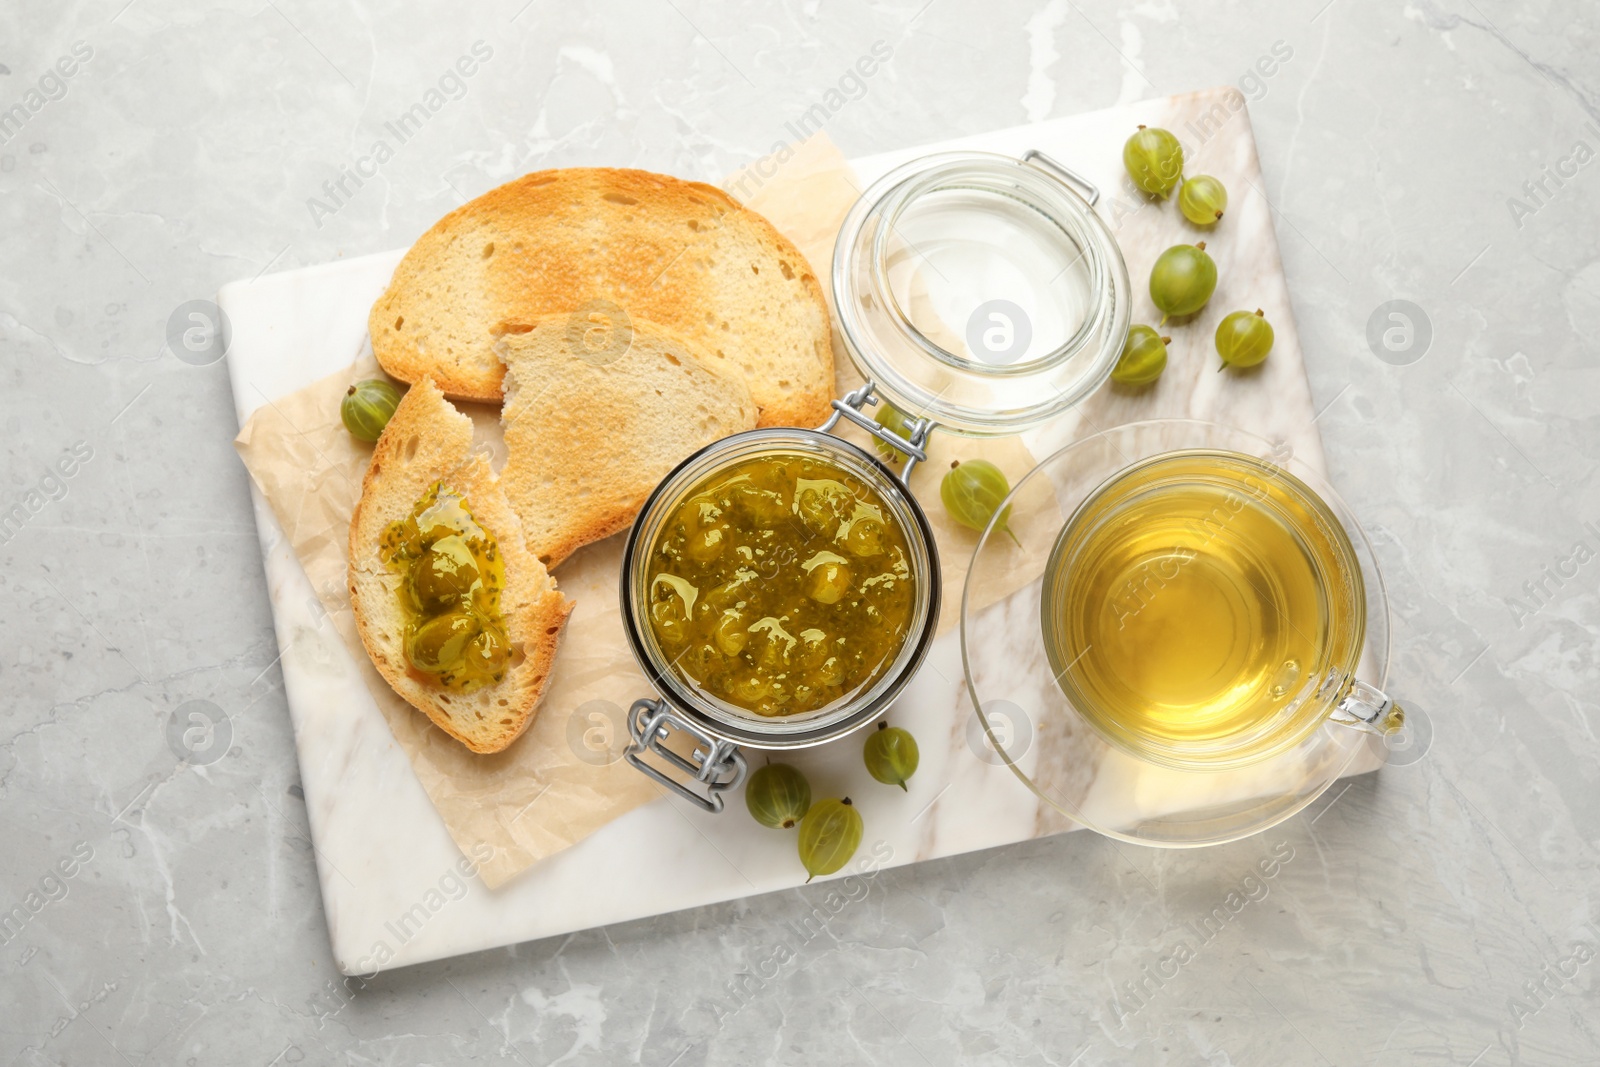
<point>564,778</point>
<point>560,781</point>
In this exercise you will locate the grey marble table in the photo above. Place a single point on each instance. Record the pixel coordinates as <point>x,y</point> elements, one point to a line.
<point>1441,911</point>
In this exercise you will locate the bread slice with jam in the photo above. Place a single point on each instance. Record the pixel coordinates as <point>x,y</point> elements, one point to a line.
<point>508,620</point>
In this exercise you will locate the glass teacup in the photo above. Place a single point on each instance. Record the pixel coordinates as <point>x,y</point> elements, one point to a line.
<point>1103,735</point>
<point>1204,607</point>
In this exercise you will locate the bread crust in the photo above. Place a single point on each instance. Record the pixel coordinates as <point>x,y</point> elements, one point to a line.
<point>681,254</point>
<point>426,441</point>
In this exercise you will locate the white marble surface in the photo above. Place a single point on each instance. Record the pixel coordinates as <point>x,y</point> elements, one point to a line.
<point>1427,914</point>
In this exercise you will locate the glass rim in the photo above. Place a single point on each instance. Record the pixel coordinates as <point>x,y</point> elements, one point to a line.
<point>1046,192</point>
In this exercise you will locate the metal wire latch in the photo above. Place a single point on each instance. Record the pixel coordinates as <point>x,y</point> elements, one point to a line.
<point>850,408</point>
<point>714,765</point>
<point>1064,174</point>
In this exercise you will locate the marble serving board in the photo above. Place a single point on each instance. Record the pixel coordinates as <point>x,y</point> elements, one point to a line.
<point>391,876</point>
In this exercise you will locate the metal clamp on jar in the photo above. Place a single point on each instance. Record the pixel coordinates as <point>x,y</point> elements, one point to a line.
<point>977,293</point>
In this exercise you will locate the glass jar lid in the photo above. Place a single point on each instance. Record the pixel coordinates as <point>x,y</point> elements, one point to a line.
<point>981,291</point>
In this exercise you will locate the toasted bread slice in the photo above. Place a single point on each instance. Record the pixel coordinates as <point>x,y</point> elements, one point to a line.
<point>680,254</point>
<point>591,428</point>
<point>427,440</point>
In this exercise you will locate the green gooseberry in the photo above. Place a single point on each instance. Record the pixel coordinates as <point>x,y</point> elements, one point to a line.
<point>1144,357</point>
<point>445,575</point>
<point>778,796</point>
<point>829,836</point>
<point>439,644</point>
<point>1202,199</point>
<point>367,407</point>
<point>891,755</point>
<point>1243,339</point>
<point>1154,160</point>
<point>971,492</point>
<point>1182,280</point>
<point>895,421</point>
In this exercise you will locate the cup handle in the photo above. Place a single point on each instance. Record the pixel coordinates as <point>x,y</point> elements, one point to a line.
<point>1369,709</point>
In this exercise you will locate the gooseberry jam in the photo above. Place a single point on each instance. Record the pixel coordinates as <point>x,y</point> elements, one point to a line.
<point>780,584</point>
<point>450,591</point>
